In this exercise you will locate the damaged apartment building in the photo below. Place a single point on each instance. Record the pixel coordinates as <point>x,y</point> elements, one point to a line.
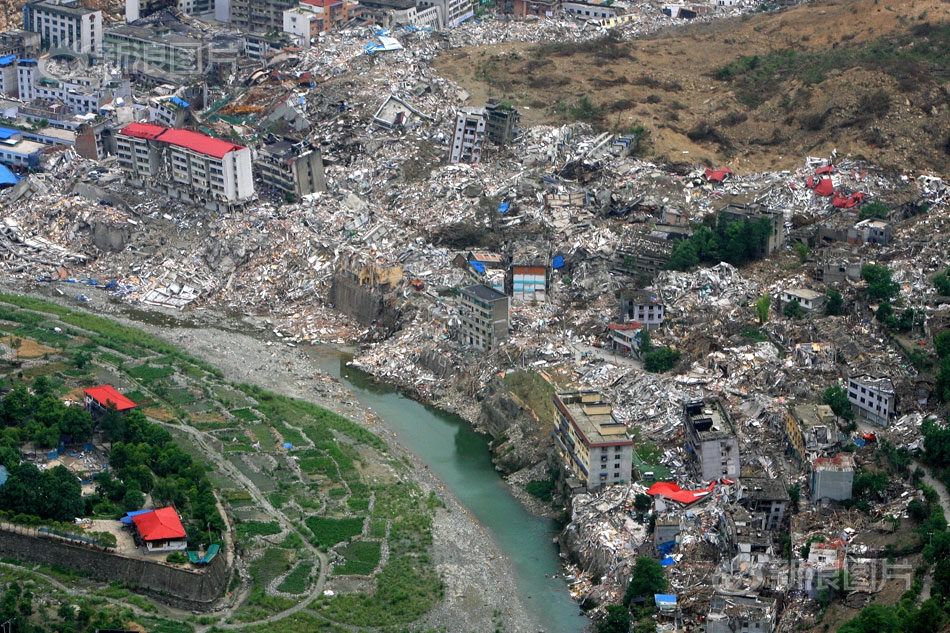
<point>594,447</point>
<point>186,165</point>
<point>711,440</point>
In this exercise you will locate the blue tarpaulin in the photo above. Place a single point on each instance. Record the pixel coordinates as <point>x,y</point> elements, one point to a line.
<point>181,103</point>
<point>664,599</point>
<point>7,177</point>
<point>666,562</point>
<point>503,207</point>
<point>666,548</point>
<point>479,266</point>
<point>288,445</point>
<point>127,519</point>
<point>860,442</point>
<point>557,262</point>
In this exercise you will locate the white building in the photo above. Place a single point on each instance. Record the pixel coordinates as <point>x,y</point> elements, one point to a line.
<point>871,398</point>
<point>185,164</point>
<point>8,76</point>
<point>807,299</point>
<point>64,24</point>
<point>26,79</point>
<point>643,306</point>
<point>469,135</point>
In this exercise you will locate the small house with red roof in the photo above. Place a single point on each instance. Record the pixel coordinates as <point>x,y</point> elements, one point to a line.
<point>160,530</point>
<point>99,399</point>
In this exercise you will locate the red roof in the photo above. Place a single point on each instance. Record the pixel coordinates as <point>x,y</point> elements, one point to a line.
<point>106,395</point>
<point>200,143</point>
<point>670,490</point>
<point>623,327</point>
<point>844,201</point>
<point>159,525</point>
<point>717,175</point>
<point>821,186</point>
<point>143,130</point>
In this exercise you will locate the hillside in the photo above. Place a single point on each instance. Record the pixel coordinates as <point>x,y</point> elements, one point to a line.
<point>865,77</point>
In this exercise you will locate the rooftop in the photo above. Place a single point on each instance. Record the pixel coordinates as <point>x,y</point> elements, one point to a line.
<point>763,489</point>
<point>842,462</point>
<point>187,139</point>
<point>707,419</point>
<point>159,525</point>
<point>484,293</point>
<point>106,395</point>
<point>592,417</point>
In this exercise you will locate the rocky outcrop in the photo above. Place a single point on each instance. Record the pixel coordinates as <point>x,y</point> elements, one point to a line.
<point>520,439</point>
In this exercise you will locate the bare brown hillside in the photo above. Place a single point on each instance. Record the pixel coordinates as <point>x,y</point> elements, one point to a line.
<point>865,77</point>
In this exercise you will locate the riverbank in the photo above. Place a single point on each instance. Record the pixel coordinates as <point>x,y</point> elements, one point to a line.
<point>480,589</point>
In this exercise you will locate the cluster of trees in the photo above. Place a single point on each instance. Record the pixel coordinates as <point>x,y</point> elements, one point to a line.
<point>883,289</point>
<point>144,459</point>
<point>54,494</point>
<point>942,384</point>
<point>41,417</point>
<point>942,283</point>
<point>646,580</point>
<point>17,605</point>
<point>738,243</point>
<point>657,359</point>
<point>837,398</point>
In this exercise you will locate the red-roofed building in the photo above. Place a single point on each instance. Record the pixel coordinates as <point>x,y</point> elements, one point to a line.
<point>98,400</point>
<point>161,530</point>
<point>185,164</point>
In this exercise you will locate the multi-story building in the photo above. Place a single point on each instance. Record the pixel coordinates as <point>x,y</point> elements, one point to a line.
<point>19,43</point>
<point>8,76</point>
<point>735,212</point>
<point>16,151</point>
<point>185,164</point>
<point>469,135</point>
<point>483,317</point>
<point>295,170</point>
<point>26,73</point>
<point>741,614</point>
<point>810,428</point>
<point>540,8</point>
<point>643,306</point>
<point>131,46</point>
<point>503,122</point>
<point>594,446</point>
<point>259,16</point>
<point>768,496</point>
<point>872,399</point>
<point>64,24</point>
<point>832,477</point>
<point>450,12</point>
<point>711,440</point>
<point>529,283</point>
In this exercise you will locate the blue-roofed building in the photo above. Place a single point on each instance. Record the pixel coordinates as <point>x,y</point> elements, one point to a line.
<point>17,152</point>
<point>7,178</point>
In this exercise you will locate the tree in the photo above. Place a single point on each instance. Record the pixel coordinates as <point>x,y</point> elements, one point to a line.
<point>616,620</point>
<point>880,285</point>
<point>942,283</point>
<point>684,256</point>
<point>762,306</point>
<point>834,306</point>
<point>837,398</point>
<point>793,310</point>
<point>647,579</point>
<point>874,618</point>
<point>885,313</point>
<point>661,360</point>
<point>801,250</point>
<point>942,344</point>
<point>875,210</point>
<point>642,503</point>
<point>81,359</point>
<point>16,343</point>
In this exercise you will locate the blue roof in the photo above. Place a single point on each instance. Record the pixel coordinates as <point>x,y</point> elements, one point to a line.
<point>7,177</point>
<point>127,519</point>
<point>179,102</point>
<point>557,262</point>
<point>664,598</point>
<point>479,266</point>
<point>6,133</point>
<point>669,560</point>
<point>29,61</point>
<point>6,60</point>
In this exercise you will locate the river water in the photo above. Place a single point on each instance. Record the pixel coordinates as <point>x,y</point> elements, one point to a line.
<point>461,459</point>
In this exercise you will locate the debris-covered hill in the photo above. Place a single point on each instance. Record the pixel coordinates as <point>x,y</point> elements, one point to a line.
<point>868,78</point>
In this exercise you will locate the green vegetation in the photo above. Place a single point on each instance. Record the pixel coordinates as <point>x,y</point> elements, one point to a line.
<point>327,531</point>
<point>834,306</point>
<point>533,390</point>
<point>793,310</point>
<point>736,242</point>
<point>836,397</point>
<point>661,360</point>
<point>361,558</point>
<point>942,346</point>
<point>542,489</point>
<point>251,529</point>
<point>942,283</point>
<point>801,251</point>
<point>880,286</point>
<point>298,580</point>
<point>912,58</point>
<point>646,579</point>
<point>875,210</point>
